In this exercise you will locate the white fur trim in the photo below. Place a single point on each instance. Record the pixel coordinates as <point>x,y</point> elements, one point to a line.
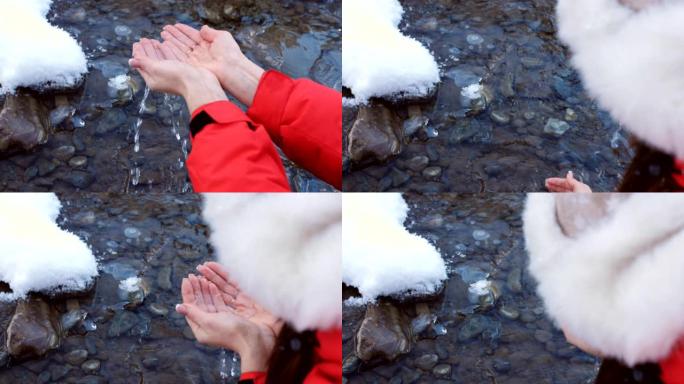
<point>617,285</point>
<point>284,250</point>
<point>632,63</point>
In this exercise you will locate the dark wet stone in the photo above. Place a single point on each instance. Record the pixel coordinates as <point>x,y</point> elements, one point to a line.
<point>426,362</point>
<point>76,357</point>
<point>32,331</point>
<point>442,370</point>
<point>64,153</point>
<point>472,327</point>
<point>383,334</point>
<point>164,278</point>
<point>350,364</point>
<point>79,179</point>
<point>23,123</point>
<point>418,163</point>
<point>375,136</point>
<point>122,322</point>
<point>60,114</point>
<point>91,366</point>
<point>113,119</point>
<point>58,372</point>
<point>502,366</point>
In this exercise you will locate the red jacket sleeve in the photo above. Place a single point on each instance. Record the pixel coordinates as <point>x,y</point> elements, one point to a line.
<point>234,155</point>
<point>254,377</point>
<point>672,368</point>
<point>305,120</point>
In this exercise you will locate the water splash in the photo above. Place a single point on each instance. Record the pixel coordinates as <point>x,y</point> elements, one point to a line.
<point>139,120</point>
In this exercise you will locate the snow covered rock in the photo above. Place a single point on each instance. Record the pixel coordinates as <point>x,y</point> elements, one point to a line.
<point>377,59</point>
<point>37,254</point>
<point>34,53</point>
<point>380,256</point>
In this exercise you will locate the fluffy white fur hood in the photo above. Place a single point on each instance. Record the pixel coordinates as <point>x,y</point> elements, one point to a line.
<point>618,283</point>
<point>284,250</point>
<point>632,61</point>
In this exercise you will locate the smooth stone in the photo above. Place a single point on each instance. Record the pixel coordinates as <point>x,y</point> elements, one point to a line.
<point>500,117</point>
<point>60,114</point>
<point>432,172</point>
<point>79,179</point>
<point>472,327</point>
<point>442,370</point>
<point>158,309</point>
<point>122,323</point>
<point>556,127</point>
<point>57,372</point>
<point>418,163</point>
<point>514,280</point>
<point>78,162</point>
<point>72,318</point>
<point>64,152</point>
<point>509,312</point>
<point>164,278</point>
<point>91,366</point>
<point>132,232</point>
<point>426,362</point>
<point>375,136</point>
<point>414,124</point>
<point>502,366</point>
<point>384,334</point>
<point>480,235</point>
<point>24,123</point>
<point>474,39</point>
<point>543,336</point>
<point>76,357</point>
<point>32,332</point>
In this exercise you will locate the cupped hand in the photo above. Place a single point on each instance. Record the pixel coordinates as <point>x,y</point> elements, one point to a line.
<point>567,184</point>
<point>218,52</point>
<point>217,323</point>
<point>163,73</point>
<point>238,300</point>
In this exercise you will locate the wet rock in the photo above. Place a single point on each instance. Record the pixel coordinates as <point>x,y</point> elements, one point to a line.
<point>442,370</point>
<point>58,371</point>
<point>79,179</point>
<point>76,357</point>
<point>414,124</point>
<point>375,136</point>
<point>33,330</point>
<point>70,319</point>
<point>432,172</point>
<point>502,366</point>
<point>91,366</point>
<point>418,163</point>
<point>500,117</point>
<point>122,322</point>
<point>64,152</point>
<point>556,127</point>
<point>514,280</point>
<point>509,312</point>
<point>350,364</point>
<point>112,120</point>
<point>23,123</point>
<point>60,114</point>
<point>159,309</point>
<point>426,362</point>
<point>472,327</point>
<point>383,334</point>
<point>164,278</point>
<point>78,162</point>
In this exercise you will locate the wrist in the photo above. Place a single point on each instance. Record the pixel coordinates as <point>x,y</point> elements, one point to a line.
<point>200,89</point>
<point>242,80</point>
<point>254,351</point>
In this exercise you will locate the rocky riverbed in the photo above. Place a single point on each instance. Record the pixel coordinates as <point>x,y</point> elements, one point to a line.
<point>110,135</point>
<point>509,112</point>
<point>487,326</point>
<point>110,334</point>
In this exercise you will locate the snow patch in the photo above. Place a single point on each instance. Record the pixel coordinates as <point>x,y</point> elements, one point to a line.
<point>379,255</point>
<point>37,254</point>
<point>377,59</point>
<point>32,51</point>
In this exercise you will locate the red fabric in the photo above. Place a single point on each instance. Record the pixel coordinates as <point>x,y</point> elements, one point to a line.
<point>328,366</point>
<point>673,367</point>
<point>233,155</point>
<point>678,175</point>
<point>304,119</point>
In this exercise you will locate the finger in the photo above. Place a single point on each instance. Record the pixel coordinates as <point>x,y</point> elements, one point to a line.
<point>221,271</point>
<point>207,296</point>
<point>190,32</point>
<point>197,290</point>
<point>149,49</point>
<point>192,313</point>
<point>217,279</point>
<point>138,51</point>
<point>218,298</point>
<point>187,293</point>
<point>181,37</point>
<point>209,34</point>
<point>168,38</point>
<point>182,56</point>
<point>158,50</point>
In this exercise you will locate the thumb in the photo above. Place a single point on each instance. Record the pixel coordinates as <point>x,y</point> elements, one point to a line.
<point>192,312</point>
<point>209,34</point>
<point>141,63</point>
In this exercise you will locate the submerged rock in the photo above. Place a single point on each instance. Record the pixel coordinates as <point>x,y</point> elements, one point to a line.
<point>376,135</point>
<point>384,334</point>
<point>33,330</point>
<point>23,123</point>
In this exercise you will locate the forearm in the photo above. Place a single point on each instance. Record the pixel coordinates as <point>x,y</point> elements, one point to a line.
<point>201,89</point>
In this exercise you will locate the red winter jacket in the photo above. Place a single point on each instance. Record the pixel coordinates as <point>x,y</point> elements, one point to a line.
<point>328,366</point>
<point>673,367</point>
<point>237,152</point>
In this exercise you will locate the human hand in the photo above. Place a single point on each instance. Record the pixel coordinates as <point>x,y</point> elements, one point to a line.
<point>216,323</point>
<point>567,184</point>
<point>231,293</point>
<point>163,73</point>
<point>218,52</point>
